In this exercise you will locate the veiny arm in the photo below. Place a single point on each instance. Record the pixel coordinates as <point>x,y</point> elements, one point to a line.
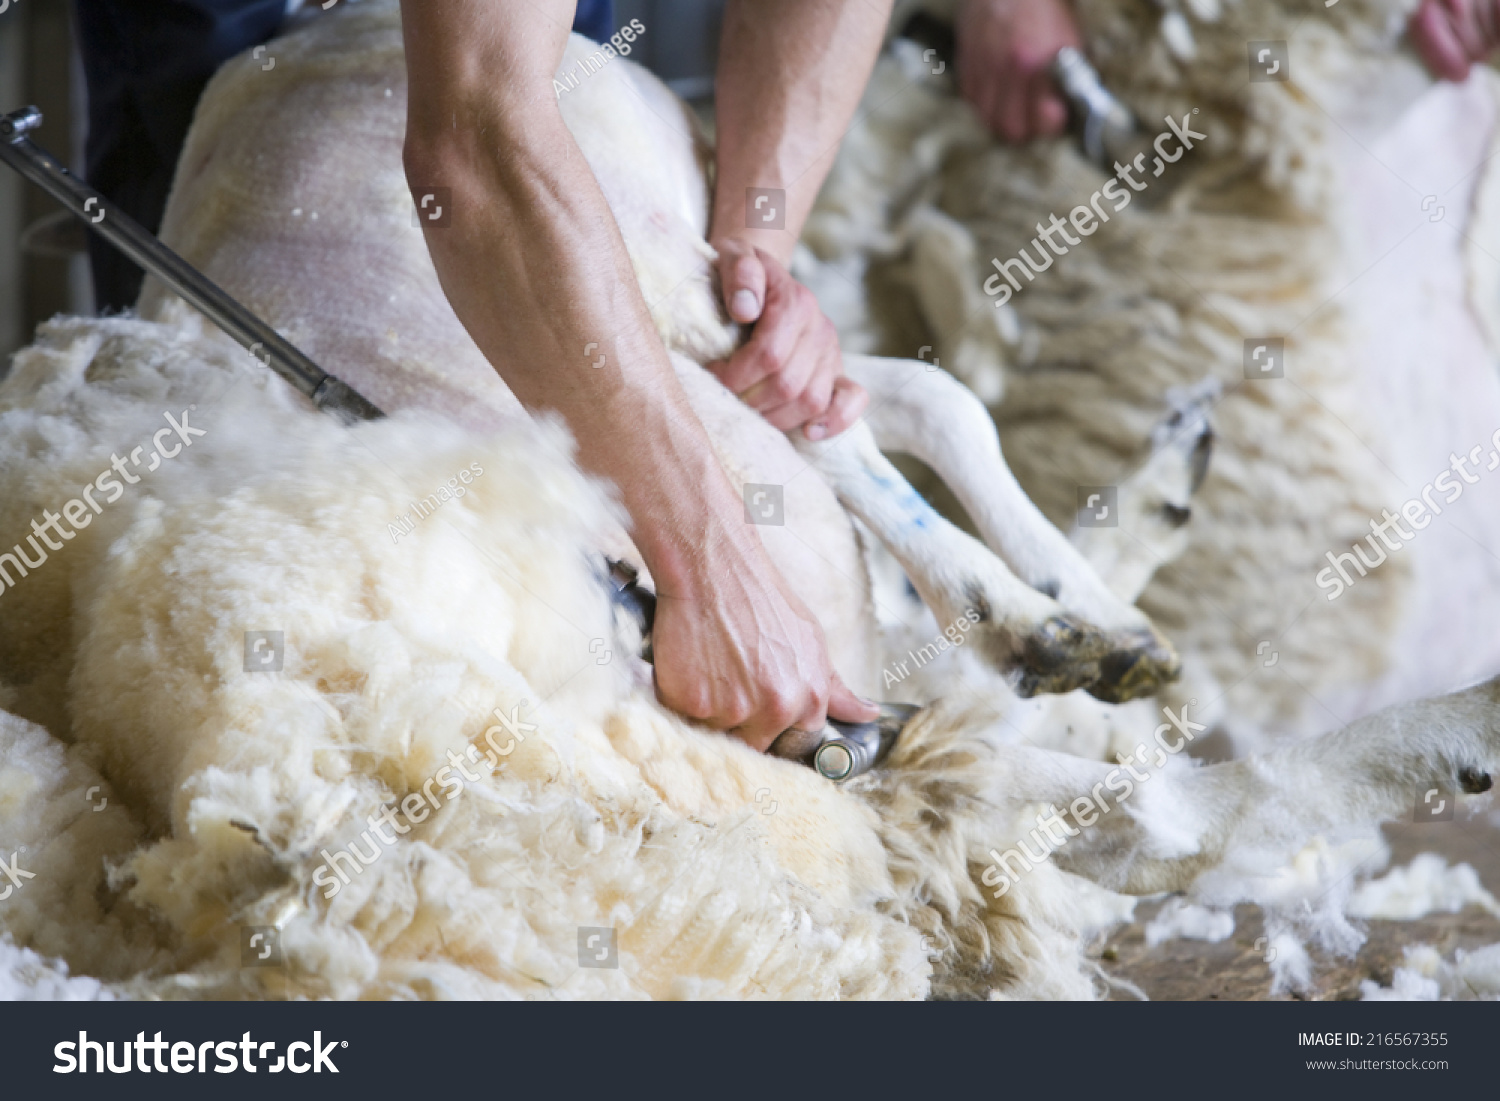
<point>791,73</point>
<point>534,266</point>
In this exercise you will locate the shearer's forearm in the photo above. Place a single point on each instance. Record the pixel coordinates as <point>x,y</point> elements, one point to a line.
<point>535,268</point>
<point>790,76</point>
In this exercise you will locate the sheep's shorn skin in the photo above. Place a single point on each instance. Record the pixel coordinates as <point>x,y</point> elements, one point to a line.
<point>463,673</point>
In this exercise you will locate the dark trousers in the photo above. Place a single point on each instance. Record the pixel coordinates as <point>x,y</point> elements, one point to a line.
<point>146,63</point>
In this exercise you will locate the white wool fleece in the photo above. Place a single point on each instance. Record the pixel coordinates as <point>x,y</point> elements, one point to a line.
<point>724,873</point>
<point>481,644</point>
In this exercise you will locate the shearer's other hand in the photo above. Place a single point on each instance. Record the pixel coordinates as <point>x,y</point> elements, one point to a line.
<point>1451,35</point>
<point>791,369</point>
<point>1005,51</point>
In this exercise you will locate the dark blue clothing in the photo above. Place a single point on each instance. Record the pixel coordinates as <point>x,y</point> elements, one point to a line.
<point>595,18</point>
<point>146,63</point>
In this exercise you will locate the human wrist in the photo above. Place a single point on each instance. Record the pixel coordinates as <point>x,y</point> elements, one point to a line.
<point>689,549</point>
<point>682,507</point>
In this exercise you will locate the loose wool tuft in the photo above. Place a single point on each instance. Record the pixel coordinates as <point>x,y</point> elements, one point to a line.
<point>1427,977</point>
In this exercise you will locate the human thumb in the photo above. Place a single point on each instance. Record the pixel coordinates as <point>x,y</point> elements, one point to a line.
<point>845,706</point>
<point>744,280</point>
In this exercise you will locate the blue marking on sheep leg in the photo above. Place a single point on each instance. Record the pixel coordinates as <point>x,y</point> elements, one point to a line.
<point>916,511</point>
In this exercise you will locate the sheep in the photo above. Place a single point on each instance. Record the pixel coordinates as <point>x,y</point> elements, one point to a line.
<point>643,147</point>
<point>461,682</point>
<point>1311,212</point>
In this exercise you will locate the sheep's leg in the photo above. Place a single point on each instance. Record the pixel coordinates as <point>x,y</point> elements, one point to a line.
<point>1019,629</point>
<point>929,414</point>
<point>1154,501</point>
<point>1162,833</point>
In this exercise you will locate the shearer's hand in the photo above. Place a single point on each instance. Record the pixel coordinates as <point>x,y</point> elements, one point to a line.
<point>791,369</point>
<point>734,648</point>
<point>1005,51</point>
<point>1453,34</point>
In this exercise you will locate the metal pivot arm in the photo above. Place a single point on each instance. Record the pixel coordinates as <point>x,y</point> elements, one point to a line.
<point>130,237</point>
<point>1107,124</point>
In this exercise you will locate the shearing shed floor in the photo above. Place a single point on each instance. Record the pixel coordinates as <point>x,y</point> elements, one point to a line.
<point>1234,968</point>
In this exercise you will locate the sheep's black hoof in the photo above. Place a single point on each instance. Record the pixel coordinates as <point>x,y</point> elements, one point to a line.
<point>1473,782</point>
<point>1138,665</point>
<point>1059,656</point>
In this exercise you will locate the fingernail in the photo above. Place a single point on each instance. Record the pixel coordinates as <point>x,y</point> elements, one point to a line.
<point>869,703</point>
<point>815,432</point>
<point>744,305</point>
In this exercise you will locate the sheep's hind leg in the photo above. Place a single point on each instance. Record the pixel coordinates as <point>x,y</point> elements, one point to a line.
<point>1019,630</point>
<point>1155,501</point>
<point>930,415</point>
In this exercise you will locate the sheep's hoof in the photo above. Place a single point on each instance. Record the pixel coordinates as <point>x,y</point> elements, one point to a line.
<point>1138,665</point>
<point>1474,782</point>
<point>1059,656</point>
